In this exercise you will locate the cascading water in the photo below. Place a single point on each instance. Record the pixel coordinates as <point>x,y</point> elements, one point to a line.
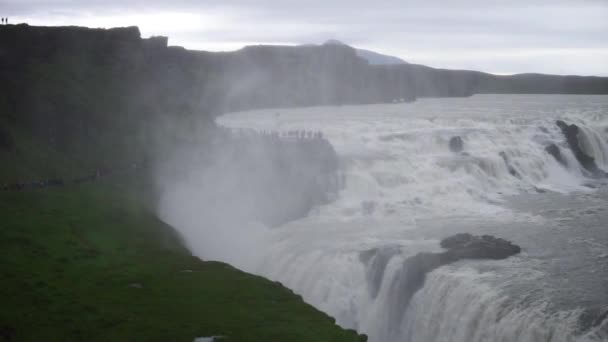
<point>405,190</point>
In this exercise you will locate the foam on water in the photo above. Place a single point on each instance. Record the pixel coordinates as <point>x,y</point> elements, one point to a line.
<point>400,173</point>
<point>397,158</point>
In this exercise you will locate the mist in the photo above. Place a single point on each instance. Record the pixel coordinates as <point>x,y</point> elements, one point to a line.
<point>224,192</point>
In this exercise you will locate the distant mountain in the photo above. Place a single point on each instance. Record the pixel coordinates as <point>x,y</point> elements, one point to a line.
<point>374,58</point>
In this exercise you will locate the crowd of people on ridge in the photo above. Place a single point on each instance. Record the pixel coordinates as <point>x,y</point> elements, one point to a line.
<point>291,134</point>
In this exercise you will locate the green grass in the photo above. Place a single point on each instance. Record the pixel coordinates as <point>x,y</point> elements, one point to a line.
<point>32,160</point>
<point>70,259</point>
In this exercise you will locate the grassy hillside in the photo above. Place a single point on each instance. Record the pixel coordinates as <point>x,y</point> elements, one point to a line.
<point>91,263</point>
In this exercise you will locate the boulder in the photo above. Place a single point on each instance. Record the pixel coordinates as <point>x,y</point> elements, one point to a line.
<point>413,272</point>
<point>512,171</point>
<point>587,162</point>
<point>554,150</point>
<point>467,246</point>
<point>456,144</point>
<point>376,260</point>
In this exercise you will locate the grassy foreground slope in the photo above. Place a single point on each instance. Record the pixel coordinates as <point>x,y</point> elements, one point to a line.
<point>90,263</point>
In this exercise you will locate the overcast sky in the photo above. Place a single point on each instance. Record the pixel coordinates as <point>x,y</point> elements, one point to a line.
<point>548,36</point>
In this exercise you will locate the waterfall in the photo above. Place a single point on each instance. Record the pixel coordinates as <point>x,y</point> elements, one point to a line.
<point>404,189</point>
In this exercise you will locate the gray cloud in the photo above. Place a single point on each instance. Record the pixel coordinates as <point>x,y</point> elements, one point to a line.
<point>551,36</point>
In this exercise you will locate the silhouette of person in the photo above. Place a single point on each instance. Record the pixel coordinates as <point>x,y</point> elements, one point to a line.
<point>2,20</point>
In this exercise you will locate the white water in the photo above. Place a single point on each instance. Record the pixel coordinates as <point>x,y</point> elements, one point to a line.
<point>404,190</point>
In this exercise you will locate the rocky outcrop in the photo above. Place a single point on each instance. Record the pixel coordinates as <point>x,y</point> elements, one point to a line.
<point>376,261</point>
<point>109,99</point>
<point>571,132</point>
<point>467,246</point>
<point>512,171</point>
<point>212,83</point>
<point>554,150</point>
<point>412,274</point>
<point>456,144</point>
<point>458,247</point>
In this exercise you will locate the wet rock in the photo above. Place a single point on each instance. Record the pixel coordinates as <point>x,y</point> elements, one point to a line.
<point>556,153</point>
<point>512,171</point>
<point>456,144</point>
<point>375,261</point>
<point>467,246</point>
<point>409,280</point>
<point>601,318</point>
<point>413,272</point>
<point>594,318</point>
<point>587,162</point>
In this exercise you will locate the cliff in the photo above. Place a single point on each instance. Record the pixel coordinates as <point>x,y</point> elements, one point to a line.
<point>108,98</point>
<point>151,77</point>
<point>88,119</point>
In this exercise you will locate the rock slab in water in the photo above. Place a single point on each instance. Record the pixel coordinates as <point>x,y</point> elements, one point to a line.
<point>456,144</point>
<point>414,269</point>
<point>554,150</point>
<point>512,171</point>
<point>467,246</point>
<point>588,162</point>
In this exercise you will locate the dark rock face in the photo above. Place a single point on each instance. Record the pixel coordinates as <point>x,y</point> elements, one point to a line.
<point>376,261</point>
<point>571,133</point>
<point>467,246</point>
<point>456,144</point>
<point>556,153</point>
<point>413,273</point>
<point>512,171</point>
